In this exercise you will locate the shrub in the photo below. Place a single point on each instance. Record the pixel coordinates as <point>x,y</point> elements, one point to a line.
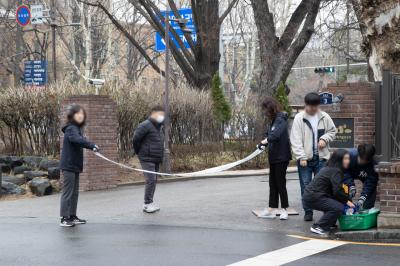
<point>283,99</point>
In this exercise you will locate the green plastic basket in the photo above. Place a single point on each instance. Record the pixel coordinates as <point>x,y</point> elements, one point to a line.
<point>362,221</point>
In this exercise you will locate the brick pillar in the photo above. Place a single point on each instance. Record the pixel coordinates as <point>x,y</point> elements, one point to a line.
<point>389,191</point>
<point>101,129</point>
<point>358,105</point>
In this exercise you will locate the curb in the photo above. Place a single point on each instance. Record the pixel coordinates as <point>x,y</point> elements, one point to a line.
<point>377,235</point>
<point>231,174</point>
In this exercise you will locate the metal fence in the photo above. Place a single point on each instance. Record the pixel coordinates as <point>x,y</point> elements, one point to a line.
<point>388,117</point>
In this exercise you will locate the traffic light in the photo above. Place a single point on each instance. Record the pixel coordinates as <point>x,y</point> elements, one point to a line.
<point>322,70</point>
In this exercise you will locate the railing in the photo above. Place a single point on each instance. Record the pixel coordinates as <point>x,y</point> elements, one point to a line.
<point>388,117</point>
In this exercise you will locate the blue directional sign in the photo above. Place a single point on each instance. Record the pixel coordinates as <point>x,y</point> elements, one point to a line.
<point>35,73</point>
<point>326,98</point>
<point>23,15</point>
<point>186,14</point>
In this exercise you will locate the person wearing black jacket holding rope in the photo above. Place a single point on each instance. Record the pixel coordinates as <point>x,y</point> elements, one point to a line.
<point>148,143</point>
<point>279,155</point>
<point>326,193</point>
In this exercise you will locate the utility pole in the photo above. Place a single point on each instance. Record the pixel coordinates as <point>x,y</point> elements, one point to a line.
<point>53,25</point>
<point>167,153</point>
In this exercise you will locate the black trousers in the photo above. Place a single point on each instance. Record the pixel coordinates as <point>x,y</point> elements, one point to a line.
<point>332,210</point>
<point>70,194</point>
<point>277,185</point>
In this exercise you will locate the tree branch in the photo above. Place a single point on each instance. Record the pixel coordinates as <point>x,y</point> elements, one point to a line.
<point>227,11</point>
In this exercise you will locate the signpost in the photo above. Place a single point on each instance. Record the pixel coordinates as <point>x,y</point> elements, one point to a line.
<point>23,15</point>
<point>186,14</point>
<point>37,14</point>
<point>35,73</point>
<point>326,98</point>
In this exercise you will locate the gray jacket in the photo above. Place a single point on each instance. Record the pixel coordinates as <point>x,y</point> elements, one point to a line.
<point>302,135</point>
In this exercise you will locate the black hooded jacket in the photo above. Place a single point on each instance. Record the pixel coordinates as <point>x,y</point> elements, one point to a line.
<point>148,141</point>
<point>72,150</point>
<point>328,183</point>
<point>278,140</point>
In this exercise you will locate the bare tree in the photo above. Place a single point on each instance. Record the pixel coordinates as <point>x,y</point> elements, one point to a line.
<point>380,26</point>
<point>200,61</point>
<point>279,53</point>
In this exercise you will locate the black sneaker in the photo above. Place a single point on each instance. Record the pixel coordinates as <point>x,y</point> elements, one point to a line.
<point>308,217</point>
<point>76,220</point>
<point>318,230</point>
<point>334,227</point>
<point>65,222</point>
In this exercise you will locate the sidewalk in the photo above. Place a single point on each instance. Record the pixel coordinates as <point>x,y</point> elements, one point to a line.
<point>224,174</point>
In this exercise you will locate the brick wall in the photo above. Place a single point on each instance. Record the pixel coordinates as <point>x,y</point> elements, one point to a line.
<point>101,129</point>
<point>389,191</point>
<point>359,103</point>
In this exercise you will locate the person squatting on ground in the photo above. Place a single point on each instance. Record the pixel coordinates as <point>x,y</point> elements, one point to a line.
<point>71,163</point>
<point>148,143</point>
<point>326,193</point>
<point>362,167</point>
<point>311,133</point>
<point>279,155</point>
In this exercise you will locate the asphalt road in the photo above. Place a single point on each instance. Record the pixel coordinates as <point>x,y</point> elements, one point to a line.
<point>202,222</point>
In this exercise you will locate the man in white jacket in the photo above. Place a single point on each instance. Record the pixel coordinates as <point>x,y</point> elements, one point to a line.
<point>311,133</point>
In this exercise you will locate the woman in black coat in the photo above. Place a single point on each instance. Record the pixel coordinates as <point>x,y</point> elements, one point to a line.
<point>326,193</point>
<point>71,163</point>
<point>279,155</point>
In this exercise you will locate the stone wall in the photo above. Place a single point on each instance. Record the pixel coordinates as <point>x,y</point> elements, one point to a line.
<point>359,104</point>
<point>101,129</point>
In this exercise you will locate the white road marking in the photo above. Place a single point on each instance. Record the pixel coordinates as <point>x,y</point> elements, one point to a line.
<point>290,254</point>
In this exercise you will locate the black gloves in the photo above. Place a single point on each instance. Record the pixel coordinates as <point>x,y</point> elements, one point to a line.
<point>261,146</point>
<point>96,148</point>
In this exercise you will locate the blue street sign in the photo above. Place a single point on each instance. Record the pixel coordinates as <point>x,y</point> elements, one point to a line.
<point>326,98</point>
<point>185,14</point>
<point>23,15</point>
<point>35,73</point>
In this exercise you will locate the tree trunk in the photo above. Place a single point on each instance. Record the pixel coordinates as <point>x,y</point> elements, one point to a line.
<point>381,19</point>
<point>278,54</point>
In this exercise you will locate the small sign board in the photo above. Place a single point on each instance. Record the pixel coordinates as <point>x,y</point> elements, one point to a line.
<point>35,73</point>
<point>186,14</point>
<point>37,14</point>
<point>345,133</point>
<point>23,15</point>
<point>326,98</point>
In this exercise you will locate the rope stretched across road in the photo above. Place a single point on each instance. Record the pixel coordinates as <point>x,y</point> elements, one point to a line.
<point>205,172</point>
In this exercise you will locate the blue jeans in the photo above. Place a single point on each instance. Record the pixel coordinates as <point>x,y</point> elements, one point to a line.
<point>306,174</point>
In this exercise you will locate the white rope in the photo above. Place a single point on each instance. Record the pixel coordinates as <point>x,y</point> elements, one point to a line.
<point>205,172</point>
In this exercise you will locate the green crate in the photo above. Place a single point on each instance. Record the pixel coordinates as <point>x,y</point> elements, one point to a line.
<point>362,221</point>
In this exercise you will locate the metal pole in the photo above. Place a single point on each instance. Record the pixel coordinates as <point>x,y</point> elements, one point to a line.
<point>53,31</point>
<point>167,154</point>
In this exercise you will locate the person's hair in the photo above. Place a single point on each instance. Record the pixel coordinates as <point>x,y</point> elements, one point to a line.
<point>157,108</point>
<point>366,152</point>
<point>271,106</point>
<point>72,109</point>
<point>336,159</point>
<point>312,99</point>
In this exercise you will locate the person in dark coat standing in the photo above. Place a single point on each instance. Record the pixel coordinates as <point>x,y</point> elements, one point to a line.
<point>279,155</point>
<point>326,192</point>
<point>148,143</point>
<point>71,163</point>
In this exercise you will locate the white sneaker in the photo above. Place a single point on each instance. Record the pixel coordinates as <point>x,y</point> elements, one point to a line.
<point>284,215</point>
<point>150,208</point>
<point>269,213</point>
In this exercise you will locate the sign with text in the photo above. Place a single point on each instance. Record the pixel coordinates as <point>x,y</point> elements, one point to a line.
<point>326,98</point>
<point>35,73</point>
<point>185,14</point>
<point>345,133</point>
<point>37,14</point>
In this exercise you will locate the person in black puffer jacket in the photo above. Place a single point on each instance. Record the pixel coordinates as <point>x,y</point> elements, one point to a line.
<point>71,163</point>
<point>279,155</point>
<point>148,143</point>
<point>326,192</point>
